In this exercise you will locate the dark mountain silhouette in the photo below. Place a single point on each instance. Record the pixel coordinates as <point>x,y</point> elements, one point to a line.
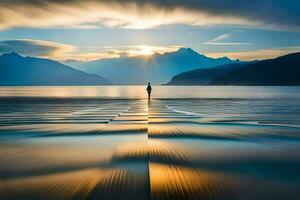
<point>202,76</point>
<point>16,70</point>
<point>158,68</point>
<point>284,70</point>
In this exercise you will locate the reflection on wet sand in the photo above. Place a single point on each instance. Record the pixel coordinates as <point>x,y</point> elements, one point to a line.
<point>133,149</point>
<point>101,183</point>
<point>58,186</point>
<point>154,149</point>
<point>176,182</point>
<point>221,131</point>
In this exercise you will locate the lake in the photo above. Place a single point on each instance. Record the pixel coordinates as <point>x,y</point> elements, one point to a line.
<point>110,142</point>
<point>164,92</point>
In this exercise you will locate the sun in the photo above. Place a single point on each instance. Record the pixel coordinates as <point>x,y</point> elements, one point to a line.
<point>145,50</point>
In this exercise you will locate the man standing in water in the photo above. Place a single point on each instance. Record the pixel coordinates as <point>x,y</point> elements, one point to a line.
<point>149,89</point>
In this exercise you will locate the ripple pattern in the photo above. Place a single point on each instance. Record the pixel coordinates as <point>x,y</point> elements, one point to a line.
<point>153,150</point>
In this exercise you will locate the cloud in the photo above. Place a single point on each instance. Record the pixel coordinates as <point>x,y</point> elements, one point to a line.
<point>256,55</point>
<point>266,14</point>
<point>216,40</point>
<point>35,47</point>
<point>51,50</point>
<point>140,50</point>
<point>221,37</point>
<point>63,52</point>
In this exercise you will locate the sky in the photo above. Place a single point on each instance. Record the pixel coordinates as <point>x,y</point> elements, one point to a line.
<point>98,29</point>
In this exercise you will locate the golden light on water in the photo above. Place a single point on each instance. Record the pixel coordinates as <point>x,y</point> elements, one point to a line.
<point>108,149</point>
<point>68,185</point>
<point>176,182</point>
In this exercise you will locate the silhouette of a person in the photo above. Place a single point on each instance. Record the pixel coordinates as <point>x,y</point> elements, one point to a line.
<point>149,89</point>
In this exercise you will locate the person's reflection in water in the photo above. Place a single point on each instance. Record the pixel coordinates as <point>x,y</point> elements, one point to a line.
<point>149,89</point>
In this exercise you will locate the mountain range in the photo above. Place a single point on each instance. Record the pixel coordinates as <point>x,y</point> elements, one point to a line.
<point>185,65</point>
<point>158,68</point>
<point>16,70</point>
<point>284,70</point>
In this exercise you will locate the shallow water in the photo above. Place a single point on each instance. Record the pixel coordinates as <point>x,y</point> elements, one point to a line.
<point>95,148</point>
<point>162,92</point>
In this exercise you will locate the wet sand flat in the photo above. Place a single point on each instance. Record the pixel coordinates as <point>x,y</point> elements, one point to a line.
<point>163,149</point>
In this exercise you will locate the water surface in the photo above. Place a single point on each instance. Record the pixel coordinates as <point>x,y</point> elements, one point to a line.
<point>158,91</point>
<point>223,145</point>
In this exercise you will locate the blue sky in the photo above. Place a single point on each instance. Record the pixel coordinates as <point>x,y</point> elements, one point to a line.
<point>97,29</point>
